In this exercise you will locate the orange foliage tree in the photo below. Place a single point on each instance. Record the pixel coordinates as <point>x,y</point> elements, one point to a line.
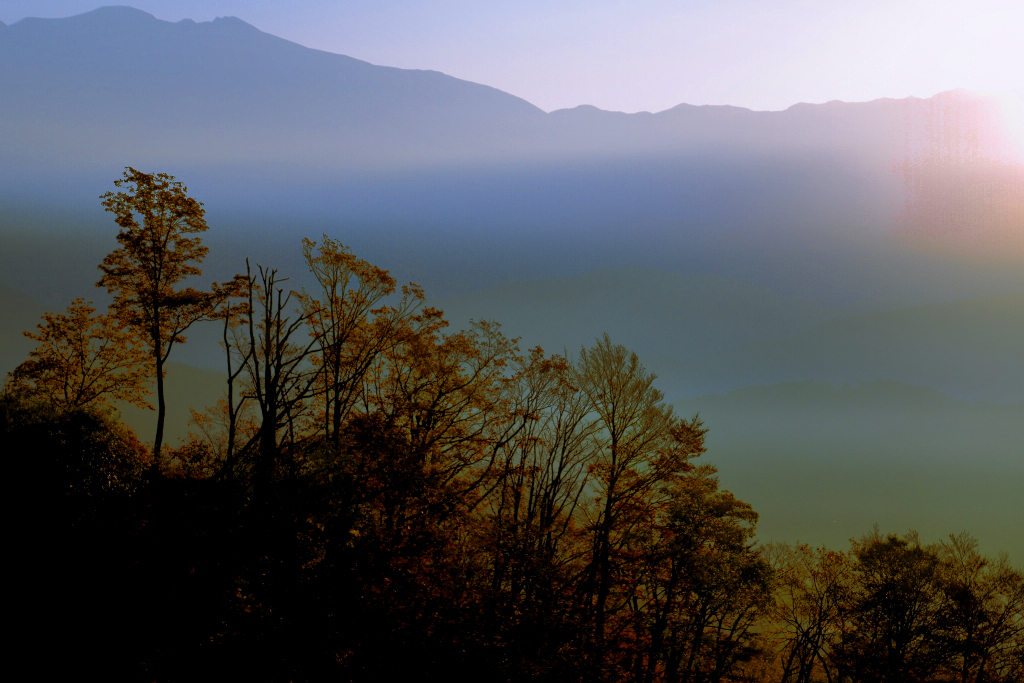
<point>642,448</point>
<point>155,255</point>
<point>339,317</point>
<point>84,360</point>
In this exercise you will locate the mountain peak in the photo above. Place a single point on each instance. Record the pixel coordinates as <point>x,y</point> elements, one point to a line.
<point>233,23</point>
<point>118,16</point>
<point>122,17</point>
<point>121,12</point>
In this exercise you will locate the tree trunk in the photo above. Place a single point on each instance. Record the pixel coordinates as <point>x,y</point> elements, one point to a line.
<point>161,411</point>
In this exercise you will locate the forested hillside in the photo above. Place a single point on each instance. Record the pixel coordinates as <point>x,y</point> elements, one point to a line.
<point>380,497</point>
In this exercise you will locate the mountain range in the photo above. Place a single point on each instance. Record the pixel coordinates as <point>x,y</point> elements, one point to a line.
<point>426,174</point>
<point>220,90</point>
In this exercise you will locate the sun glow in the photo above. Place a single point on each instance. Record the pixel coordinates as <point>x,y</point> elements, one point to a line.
<point>964,177</point>
<point>1011,108</point>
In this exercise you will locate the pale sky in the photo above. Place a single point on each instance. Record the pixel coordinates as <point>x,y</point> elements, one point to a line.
<point>648,55</point>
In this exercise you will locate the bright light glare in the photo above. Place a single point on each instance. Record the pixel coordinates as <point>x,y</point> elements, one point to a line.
<point>1012,109</point>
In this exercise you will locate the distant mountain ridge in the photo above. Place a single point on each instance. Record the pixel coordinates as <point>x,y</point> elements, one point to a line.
<point>461,186</point>
<point>210,87</point>
<point>200,91</point>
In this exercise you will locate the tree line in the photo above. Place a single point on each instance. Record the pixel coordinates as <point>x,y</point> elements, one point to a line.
<point>376,497</point>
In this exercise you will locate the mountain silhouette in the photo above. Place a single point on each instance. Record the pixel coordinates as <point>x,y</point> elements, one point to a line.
<point>461,186</point>
<point>117,80</point>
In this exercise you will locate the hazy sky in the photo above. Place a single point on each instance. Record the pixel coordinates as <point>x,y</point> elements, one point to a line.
<point>633,55</point>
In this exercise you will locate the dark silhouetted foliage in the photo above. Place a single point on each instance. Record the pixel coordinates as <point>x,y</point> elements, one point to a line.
<point>377,499</point>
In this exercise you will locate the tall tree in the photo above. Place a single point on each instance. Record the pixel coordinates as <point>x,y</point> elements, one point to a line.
<point>280,381</point>
<point>982,618</point>
<point>813,590</point>
<point>156,255</point>
<point>704,588</point>
<point>642,447</point>
<point>540,481</point>
<point>893,635</point>
<point>339,319</point>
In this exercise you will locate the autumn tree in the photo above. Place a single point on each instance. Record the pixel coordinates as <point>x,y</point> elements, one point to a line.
<point>891,634</point>
<point>349,333</point>
<point>812,597</point>
<point>982,617</point>
<point>83,359</point>
<point>894,610</point>
<point>532,539</point>
<point>305,356</point>
<point>442,405</point>
<point>386,500</point>
<point>642,447</point>
<point>704,587</point>
<point>157,219</point>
